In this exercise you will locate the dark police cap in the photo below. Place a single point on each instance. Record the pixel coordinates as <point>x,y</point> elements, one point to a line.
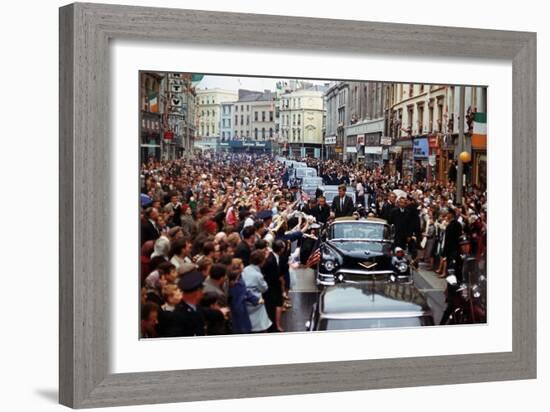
<point>464,240</point>
<point>191,281</point>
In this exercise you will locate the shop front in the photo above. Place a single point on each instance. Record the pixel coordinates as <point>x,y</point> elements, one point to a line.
<point>150,144</point>
<point>421,166</point>
<point>330,147</point>
<point>479,151</point>
<point>250,146</point>
<point>362,135</point>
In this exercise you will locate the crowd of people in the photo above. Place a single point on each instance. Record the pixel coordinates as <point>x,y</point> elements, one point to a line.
<point>220,233</point>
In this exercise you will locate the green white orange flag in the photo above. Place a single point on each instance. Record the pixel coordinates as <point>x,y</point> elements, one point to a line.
<point>153,103</point>
<point>480,124</point>
<point>479,135</point>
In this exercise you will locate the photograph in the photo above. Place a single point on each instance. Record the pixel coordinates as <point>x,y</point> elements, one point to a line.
<point>271,204</point>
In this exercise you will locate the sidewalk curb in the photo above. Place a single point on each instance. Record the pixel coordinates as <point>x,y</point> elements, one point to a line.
<point>431,279</point>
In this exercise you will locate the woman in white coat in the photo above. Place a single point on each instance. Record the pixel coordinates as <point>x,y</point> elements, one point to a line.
<point>255,283</point>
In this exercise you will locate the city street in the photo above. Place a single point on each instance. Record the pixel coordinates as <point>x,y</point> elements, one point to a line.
<point>306,293</point>
<point>253,190</point>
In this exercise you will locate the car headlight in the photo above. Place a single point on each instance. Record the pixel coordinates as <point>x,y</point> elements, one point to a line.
<point>402,267</point>
<point>329,265</point>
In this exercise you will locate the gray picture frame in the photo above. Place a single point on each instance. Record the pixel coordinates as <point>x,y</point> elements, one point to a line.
<point>85,32</point>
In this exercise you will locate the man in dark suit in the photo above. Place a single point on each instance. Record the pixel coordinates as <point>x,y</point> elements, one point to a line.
<point>453,231</point>
<point>273,297</point>
<point>342,205</point>
<point>149,228</point>
<point>387,207</point>
<point>244,248</point>
<point>323,210</point>
<point>401,220</point>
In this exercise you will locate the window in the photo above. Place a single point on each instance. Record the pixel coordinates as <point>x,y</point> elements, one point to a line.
<point>420,119</point>
<point>256,133</point>
<point>293,119</point>
<point>207,130</point>
<point>431,117</point>
<point>263,133</point>
<point>242,119</point>
<point>411,90</point>
<point>298,133</point>
<point>247,119</point>
<point>255,116</point>
<point>299,119</point>
<point>263,116</point>
<point>236,119</point>
<point>421,88</point>
<point>270,132</point>
<point>270,116</point>
<point>410,118</point>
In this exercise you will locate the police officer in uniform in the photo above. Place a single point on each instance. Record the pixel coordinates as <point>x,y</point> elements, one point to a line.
<point>188,318</point>
<point>465,263</point>
<point>464,268</point>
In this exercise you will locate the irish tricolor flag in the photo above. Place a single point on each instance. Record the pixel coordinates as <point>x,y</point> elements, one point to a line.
<point>153,102</point>
<point>479,136</point>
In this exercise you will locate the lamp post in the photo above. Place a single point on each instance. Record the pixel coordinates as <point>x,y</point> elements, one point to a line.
<point>460,168</point>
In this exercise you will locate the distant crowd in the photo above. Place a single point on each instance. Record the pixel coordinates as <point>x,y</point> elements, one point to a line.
<point>221,232</point>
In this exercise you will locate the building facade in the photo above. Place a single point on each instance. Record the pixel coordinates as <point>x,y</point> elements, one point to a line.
<point>301,115</point>
<point>363,133</point>
<point>209,111</point>
<point>423,123</point>
<point>263,116</point>
<point>337,118</point>
<point>152,92</point>
<point>226,121</point>
<point>242,114</point>
<point>167,113</point>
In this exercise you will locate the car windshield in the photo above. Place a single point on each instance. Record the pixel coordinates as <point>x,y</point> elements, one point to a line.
<point>311,181</point>
<point>340,324</point>
<point>305,172</point>
<point>355,230</point>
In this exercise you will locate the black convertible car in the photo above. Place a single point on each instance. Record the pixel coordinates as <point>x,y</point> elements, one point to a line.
<point>369,305</point>
<point>359,250</point>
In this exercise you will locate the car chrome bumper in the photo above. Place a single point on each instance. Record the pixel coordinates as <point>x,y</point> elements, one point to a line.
<point>329,279</point>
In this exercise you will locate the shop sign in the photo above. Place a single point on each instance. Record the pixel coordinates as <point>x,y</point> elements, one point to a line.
<point>395,149</point>
<point>420,148</point>
<point>338,149</point>
<point>377,150</point>
<point>431,160</point>
<point>360,139</point>
<point>168,135</point>
<point>330,140</point>
<point>385,141</point>
<point>351,149</point>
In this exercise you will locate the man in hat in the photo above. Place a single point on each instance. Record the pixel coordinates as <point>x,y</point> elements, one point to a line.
<point>465,264</point>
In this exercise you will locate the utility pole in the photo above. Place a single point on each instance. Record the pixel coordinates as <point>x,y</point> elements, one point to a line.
<point>460,169</point>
